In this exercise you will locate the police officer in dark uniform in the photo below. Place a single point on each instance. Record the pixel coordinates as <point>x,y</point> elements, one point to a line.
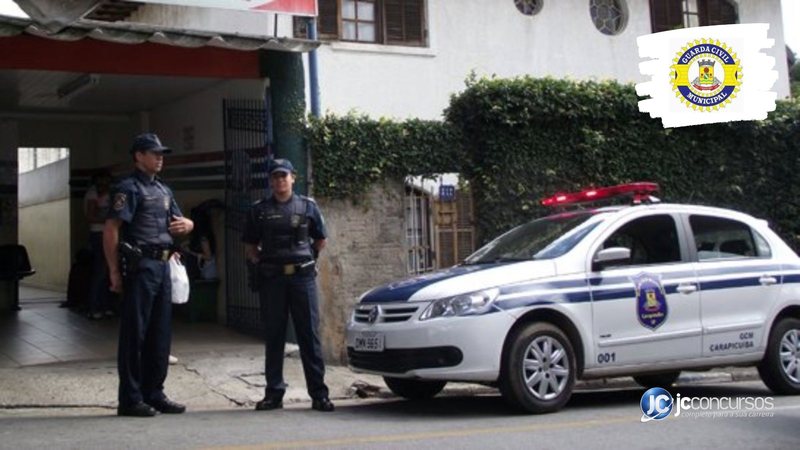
<point>283,236</point>
<point>137,240</point>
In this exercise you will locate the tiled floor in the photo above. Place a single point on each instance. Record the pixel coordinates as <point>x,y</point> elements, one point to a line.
<point>43,333</point>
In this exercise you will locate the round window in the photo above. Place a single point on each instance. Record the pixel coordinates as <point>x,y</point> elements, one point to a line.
<point>529,7</point>
<point>609,16</point>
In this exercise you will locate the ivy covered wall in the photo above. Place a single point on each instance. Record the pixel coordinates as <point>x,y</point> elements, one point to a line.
<point>519,140</point>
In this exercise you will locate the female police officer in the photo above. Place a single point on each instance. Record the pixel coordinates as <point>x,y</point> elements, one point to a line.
<point>278,242</point>
<point>142,220</point>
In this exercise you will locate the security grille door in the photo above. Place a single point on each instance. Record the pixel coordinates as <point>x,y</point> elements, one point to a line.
<point>455,230</point>
<point>248,146</point>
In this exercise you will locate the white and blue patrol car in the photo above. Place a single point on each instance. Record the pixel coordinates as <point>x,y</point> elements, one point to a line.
<point>645,290</point>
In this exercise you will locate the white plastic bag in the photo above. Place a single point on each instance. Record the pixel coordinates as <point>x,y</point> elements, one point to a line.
<point>180,281</point>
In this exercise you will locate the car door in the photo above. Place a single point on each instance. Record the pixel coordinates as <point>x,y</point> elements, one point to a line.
<point>739,281</point>
<point>646,309</point>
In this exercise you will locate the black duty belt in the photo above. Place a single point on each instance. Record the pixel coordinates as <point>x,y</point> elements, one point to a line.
<point>288,269</point>
<point>158,252</point>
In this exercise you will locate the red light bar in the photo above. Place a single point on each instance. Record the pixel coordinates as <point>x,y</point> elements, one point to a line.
<point>640,191</point>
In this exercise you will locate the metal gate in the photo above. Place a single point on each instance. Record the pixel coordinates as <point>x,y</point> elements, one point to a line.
<point>248,148</point>
<point>455,229</point>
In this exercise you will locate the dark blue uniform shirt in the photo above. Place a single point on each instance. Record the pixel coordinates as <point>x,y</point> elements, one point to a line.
<point>145,206</point>
<point>273,226</point>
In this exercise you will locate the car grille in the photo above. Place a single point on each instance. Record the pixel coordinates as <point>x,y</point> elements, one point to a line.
<point>389,313</point>
<point>403,360</point>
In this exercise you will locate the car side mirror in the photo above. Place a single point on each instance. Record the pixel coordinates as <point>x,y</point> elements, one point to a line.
<point>611,256</point>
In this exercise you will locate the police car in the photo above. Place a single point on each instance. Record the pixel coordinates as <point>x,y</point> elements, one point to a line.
<point>646,289</point>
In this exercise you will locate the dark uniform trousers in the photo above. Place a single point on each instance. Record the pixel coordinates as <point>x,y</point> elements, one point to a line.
<point>294,295</point>
<point>145,333</point>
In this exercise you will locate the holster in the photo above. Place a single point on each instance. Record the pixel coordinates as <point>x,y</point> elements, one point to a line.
<point>129,259</point>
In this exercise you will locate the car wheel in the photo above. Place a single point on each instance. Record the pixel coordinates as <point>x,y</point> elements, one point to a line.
<point>657,380</point>
<point>780,368</point>
<point>414,389</point>
<point>539,367</point>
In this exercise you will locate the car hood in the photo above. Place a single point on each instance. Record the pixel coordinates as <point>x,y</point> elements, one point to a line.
<point>458,280</point>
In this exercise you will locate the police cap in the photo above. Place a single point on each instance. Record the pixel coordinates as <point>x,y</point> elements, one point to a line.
<point>281,165</point>
<point>148,142</point>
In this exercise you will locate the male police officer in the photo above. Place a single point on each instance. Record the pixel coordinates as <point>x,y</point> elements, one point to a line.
<point>142,219</point>
<point>278,243</point>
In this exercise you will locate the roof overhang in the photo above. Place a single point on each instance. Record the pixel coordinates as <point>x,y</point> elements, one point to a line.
<point>139,67</point>
<point>54,15</point>
<point>129,33</point>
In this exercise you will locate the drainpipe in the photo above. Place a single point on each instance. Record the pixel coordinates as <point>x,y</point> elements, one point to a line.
<point>313,71</point>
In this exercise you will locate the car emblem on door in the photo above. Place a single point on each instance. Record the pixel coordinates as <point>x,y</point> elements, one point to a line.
<point>651,300</point>
<point>374,314</point>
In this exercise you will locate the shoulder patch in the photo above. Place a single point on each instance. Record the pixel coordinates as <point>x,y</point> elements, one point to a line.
<point>119,201</point>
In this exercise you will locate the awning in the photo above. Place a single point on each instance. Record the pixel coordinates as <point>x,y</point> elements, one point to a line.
<point>127,33</point>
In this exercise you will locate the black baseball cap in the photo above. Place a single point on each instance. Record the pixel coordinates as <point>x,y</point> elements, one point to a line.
<point>281,165</point>
<point>148,142</point>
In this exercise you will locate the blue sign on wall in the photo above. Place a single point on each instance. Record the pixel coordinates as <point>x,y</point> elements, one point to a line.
<point>447,193</point>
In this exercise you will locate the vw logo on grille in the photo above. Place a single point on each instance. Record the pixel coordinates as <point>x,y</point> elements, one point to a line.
<point>374,313</point>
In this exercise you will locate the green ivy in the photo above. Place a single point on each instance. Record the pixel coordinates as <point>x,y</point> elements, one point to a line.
<point>528,138</point>
<point>519,140</point>
<point>353,152</point>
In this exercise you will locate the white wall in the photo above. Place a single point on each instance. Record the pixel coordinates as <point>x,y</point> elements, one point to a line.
<point>491,37</point>
<point>203,112</point>
<point>219,20</point>
<point>44,230</point>
<point>44,224</point>
<point>769,11</point>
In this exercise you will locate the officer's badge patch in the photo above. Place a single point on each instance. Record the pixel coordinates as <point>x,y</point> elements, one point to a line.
<point>119,201</point>
<point>651,300</point>
<point>295,220</point>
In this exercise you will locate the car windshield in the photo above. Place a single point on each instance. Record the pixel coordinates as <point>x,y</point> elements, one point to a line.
<point>544,238</point>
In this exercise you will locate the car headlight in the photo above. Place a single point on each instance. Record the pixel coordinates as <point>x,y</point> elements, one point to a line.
<point>460,305</point>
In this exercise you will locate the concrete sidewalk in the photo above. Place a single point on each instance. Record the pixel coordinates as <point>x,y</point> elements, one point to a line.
<point>207,380</point>
<point>51,358</point>
<point>235,379</point>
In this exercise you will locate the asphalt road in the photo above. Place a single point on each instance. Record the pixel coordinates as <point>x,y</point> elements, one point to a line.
<point>596,420</point>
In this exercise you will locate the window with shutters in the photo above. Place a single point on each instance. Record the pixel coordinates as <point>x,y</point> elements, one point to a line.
<point>391,22</point>
<point>668,15</point>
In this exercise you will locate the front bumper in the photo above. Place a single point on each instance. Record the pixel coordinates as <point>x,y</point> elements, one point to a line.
<point>467,348</point>
<point>402,360</point>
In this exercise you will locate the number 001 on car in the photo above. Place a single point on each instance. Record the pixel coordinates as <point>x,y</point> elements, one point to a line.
<point>369,341</point>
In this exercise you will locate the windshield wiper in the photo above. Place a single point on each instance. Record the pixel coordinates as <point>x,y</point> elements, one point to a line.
<point>499,259</point>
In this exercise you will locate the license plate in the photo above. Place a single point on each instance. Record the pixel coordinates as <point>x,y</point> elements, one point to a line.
<point>369,342</point>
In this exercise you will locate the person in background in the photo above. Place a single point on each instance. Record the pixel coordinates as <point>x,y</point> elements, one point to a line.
<point>95,207</point>
<point>201,249</point>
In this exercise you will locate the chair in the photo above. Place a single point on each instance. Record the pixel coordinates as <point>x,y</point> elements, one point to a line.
<point>14,266</point>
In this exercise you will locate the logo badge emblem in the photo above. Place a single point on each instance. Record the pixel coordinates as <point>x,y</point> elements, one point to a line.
<point>706,75</point>
<point>651,300</point>
<point>119,201</point>
<point>656,404</point>
<point>374,314</point>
